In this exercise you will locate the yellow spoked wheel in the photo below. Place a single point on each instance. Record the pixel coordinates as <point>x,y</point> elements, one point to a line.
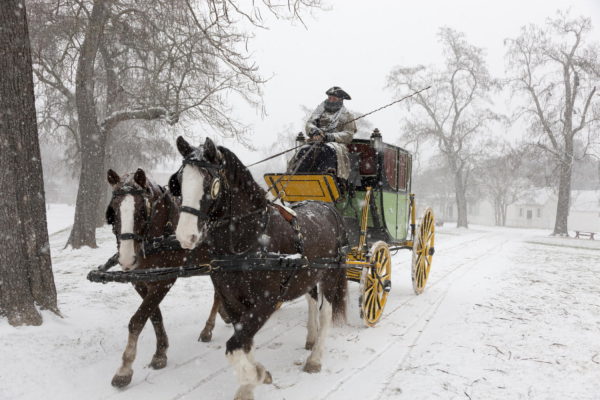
<point>375,283</point>
<point>423,251</point>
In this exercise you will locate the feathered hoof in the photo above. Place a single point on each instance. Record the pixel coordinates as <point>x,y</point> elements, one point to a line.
<point>312,367</point>
<point>205,336</point>
<point>245,392</point>
<point>264,376</point>
<point>158,362</point>
<point>268,378</point>
<point>120,381</point>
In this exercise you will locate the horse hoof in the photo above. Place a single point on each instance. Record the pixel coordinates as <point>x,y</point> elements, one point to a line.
<point>120,381</point>
<point>268,378</point>
<point>205,336</point>
<point>158,362</point>
<point>312,367</point>
<point>264,376</point>
<point>244,393</point>
<point>309,345</point>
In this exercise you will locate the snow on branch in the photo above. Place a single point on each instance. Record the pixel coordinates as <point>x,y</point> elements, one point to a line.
<point>150,113</point>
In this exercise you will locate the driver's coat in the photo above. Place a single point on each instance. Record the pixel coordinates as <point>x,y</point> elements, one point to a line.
<point>191,192</point>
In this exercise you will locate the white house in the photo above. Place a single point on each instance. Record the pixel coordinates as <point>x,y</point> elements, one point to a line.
<point>535,209</point>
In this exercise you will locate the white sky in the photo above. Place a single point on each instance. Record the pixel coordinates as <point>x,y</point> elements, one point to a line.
<point>357,43</point>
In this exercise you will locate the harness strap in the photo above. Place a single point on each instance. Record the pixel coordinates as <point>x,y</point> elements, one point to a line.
<point>194,211</point>
<point>293,220</point>
<point>130,236</point>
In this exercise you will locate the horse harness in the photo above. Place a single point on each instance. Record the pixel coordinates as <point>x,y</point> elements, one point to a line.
<point>150,210</point>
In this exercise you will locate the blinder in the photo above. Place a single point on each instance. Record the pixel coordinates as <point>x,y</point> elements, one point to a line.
<point>214,187</point>
<point>110,215</point>
<point>174,184</point>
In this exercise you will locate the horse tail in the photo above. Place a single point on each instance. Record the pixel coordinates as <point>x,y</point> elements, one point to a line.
<point>338,303</point>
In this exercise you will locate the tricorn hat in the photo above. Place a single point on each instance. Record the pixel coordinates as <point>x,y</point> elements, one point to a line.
<point>338,92</point>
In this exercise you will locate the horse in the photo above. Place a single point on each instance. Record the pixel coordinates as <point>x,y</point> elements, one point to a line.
<point>141,210</point>
<point>224,207</point>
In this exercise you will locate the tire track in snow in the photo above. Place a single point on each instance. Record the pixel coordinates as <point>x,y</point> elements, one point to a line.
<point>413,344</point>
<point>201,359</point>
<point>419,321</point>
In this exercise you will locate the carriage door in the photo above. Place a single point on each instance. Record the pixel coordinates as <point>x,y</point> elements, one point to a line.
<point>390,190</point>
<point>404,180</point>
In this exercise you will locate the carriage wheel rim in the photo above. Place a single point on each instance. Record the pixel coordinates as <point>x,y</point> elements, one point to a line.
<point>422,258</point>
<point>374,296</point>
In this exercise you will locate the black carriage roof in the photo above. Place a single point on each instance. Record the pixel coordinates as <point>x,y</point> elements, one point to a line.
<point>389,145</point>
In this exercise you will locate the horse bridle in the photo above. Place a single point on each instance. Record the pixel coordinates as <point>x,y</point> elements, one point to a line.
<point>215,190</point>
<point>215,186</point>
<point>131,190</point>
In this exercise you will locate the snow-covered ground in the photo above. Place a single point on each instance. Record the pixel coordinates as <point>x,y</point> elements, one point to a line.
<point>507,314</point>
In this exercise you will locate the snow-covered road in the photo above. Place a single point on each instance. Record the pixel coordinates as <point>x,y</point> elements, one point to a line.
<point>506,314</point>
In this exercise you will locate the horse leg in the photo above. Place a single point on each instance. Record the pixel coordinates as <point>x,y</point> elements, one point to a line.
<point>312,326</point>
<point>206,333</point>
<point>313,363</point>
<point>159,359</point>
<point>152,298</point>
<point>240,351</point>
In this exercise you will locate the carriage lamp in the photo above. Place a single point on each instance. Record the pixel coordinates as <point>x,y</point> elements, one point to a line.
<point>376,140</point>
<point>300,139</point>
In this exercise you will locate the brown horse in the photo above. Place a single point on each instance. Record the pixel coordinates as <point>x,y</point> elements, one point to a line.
<point>224,207</point>
<point>138,211</point>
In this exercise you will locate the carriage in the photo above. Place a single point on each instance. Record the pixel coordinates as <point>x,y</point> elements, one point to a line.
<point>379,212</point>
<point>345,235</point>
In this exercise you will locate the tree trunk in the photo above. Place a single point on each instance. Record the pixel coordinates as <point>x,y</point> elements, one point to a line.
<point>25,264</point>
<point>93,140</point>
<point>461,199</point>
<point>564,200</point>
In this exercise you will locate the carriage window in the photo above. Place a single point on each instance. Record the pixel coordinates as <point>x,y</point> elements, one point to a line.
<point>390,162</point>
<point>403,171</point>
<point>368,160</point>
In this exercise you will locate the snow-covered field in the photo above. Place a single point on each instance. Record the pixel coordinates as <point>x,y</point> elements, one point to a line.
<point>507,314</point>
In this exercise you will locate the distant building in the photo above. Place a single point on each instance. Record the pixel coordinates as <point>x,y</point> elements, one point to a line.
<point>535,209</point>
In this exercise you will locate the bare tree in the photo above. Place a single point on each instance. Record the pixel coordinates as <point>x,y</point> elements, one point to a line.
<point>25,266</point>
<point>557,70</point>
<point>454,111</point>
<point>161,60</point>
<point>502,179</point>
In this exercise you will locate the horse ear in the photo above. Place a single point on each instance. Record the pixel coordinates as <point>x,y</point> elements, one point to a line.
<point>183,146</point>
<point>112,177</point>
<point>140,177</point>
<point>174,185</point>
<point>110,215</point>
<point>211,153</point>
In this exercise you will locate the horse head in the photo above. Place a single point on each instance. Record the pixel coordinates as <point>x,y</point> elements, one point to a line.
<point>130,212</point>
<point>199,182</point>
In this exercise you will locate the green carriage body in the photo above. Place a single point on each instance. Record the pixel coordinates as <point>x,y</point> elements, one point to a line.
<point>388,173</point>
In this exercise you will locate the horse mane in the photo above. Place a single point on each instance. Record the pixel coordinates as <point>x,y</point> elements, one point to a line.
<point>240,177</point>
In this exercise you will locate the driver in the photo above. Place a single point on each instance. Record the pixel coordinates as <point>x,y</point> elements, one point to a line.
<point>331,123</point>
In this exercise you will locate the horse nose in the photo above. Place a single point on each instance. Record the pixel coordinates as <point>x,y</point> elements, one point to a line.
<point>129,266</point>
<point>189,242</point>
